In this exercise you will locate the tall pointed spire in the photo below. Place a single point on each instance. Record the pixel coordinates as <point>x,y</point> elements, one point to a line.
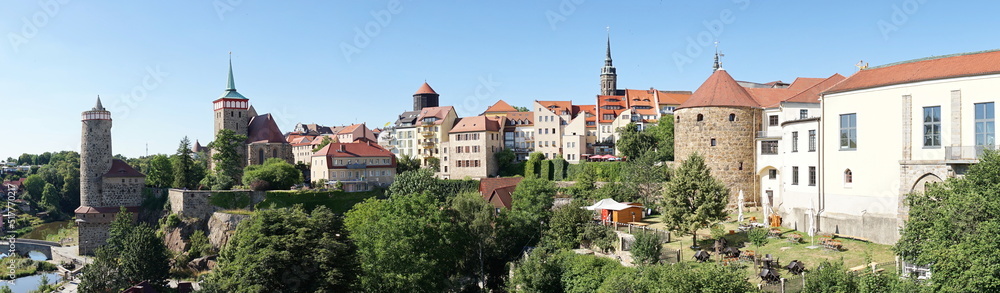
<point>98,106</point>
<point>609,78</point>
<point>607,56</point>
<point>231,86</point>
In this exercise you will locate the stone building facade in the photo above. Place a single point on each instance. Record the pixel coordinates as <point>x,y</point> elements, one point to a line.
<point>724,136</point>
<point>107,185</point>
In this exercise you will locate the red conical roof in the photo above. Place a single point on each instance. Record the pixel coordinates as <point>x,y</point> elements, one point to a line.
<point>425,89</point>
<point>720,90</point>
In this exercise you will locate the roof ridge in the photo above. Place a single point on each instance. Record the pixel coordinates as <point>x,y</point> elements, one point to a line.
<point>932,58</point>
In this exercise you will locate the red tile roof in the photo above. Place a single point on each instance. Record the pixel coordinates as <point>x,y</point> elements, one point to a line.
<point>500,107</point>
<point>525,118</point>
<point>104,210</point>
<point>614,105</point>
<point>425,89</point>
<point>952,66</point>
<point>811,95</point>
<point>557,107</point>
<point>349,129</point>
<point>263,129</point>
<point>439,112</point>
<point>803,83</point>
<point>720,89</point>
<point>121,169</point>
<point>477,123</point>
<point>353,150</point>
<point>674,97</point>
<point>498,190</point>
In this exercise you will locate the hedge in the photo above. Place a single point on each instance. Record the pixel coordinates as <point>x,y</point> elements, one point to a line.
<point>604,171</point>
<point>546,170</point>
<point>230,200</point>
<point>559,169</point>
<point>455,186</point>
<point>337,201</point>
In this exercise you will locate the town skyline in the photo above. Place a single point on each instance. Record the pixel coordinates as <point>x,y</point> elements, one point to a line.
<point>541,51</point>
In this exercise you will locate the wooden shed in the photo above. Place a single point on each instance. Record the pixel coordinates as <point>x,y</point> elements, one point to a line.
<point>622,212</point>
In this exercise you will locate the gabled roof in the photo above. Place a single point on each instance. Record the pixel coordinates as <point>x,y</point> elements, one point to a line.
<point>500,107</point>
<point>477,123</point>
<point>438,112</point>
<point>557,107</point>
<point>720,89</point>
<point>407,117</point>
<point>498,191</point>
<point>425,89</point>
<point>350,128</point>
<point>940,67</point>
<point>803,83</point>
<point>121,169</point>
<point>606,102</point>
<point>520,118</point>
<point>354,150</point>
<point>263,129</point>
<point>811,95</point>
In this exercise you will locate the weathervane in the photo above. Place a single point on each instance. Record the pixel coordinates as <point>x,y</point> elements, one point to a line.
<point>718,57</point>
<point>862,65</point>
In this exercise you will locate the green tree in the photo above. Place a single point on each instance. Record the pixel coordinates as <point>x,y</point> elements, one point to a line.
<point>43,158</point>
<point>160,173</point>
<point>286,250</point>
<point>199,245</point>
<point>434,164</point>
<point>406,163</point>
<point>405,243</point>
<point>5,288</point>
<point>34,185</point>
<point>646,248</point>
<point>584,185</point>
<point>644,176</point>
<point>477,232</point>
<point>183,165</point>
<point>633,142</point>
<point>521,109</point>
<point>133,254</point>
<point>227,159</point>
<point>414,182</point>
<point>757,236</point>
<point>538,272</point>
<point>951,227</point>
<point>598,236</point>
<point>584,273</point>
<point>275,172</point>
<point>567,225</point>
<point>26,159</point>
<point>50,197</point>
<point>533,168</point>
<point>693,198</point>
<point>506,162</point>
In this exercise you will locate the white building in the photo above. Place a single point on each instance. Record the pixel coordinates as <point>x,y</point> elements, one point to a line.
<point>889,130</point>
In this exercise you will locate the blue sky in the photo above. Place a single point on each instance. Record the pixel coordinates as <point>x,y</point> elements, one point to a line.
<point>158,65</point>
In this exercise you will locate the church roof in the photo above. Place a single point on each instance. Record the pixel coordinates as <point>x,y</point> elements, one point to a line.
<point>941,67</point>
<point>121,169</point>
<point>425,89</point>
<point>263,129</point>
<point>720,90</point>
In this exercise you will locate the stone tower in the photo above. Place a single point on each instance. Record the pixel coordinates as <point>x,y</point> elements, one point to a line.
<point>95,153</point>
<point>233,112</point>
<point>106,184</point>
<point>609,78</point>
<point>720,122</point>
<point>425,97</point>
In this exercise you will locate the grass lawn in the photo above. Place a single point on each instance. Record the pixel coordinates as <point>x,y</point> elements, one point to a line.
<point>854,252</point>
<point>338,202</point>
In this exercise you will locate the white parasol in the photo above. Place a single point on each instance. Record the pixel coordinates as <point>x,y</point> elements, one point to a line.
<point>739,206</point>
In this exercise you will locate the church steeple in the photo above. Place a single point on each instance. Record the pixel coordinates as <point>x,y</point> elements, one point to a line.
<point>609,78</point>
<point>231,86</point>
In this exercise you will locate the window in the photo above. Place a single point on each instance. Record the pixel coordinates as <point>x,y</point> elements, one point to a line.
<point>772,174</point>
<point>985,133</point>
<point>713,142</point>
<point>795,141</point>
<point>732,117</point>
<point>769,147</point>
<point>932,126</point>
<point>772,120</point>
<point>701,117</point>
<point>812,176</point>
<point>849,131</point>
<point>812,140</point>
<point>803,114</point>
<point>848,176</point>
<point>795,175</point>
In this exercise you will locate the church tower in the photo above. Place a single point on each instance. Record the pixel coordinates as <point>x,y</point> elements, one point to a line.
<point>95,153</point>
<point>609,79</point>
<point>231,109</point>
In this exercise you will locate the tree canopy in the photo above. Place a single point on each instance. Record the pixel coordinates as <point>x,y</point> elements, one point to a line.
<point>693,198</point>
<point>274,174</point>
<point>132,254</point>
<point>226,158</point>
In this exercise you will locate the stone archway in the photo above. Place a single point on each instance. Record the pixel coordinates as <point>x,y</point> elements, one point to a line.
<point>920,185</point>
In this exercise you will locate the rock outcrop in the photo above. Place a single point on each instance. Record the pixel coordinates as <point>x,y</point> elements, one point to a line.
<point>221,226</point>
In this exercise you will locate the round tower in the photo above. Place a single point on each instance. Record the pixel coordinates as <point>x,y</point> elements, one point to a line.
<point>425,97</point>
<point>720,122</point>
<point>95,153</point>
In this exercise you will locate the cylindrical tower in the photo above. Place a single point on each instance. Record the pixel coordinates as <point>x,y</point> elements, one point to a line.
<point>95,154</point>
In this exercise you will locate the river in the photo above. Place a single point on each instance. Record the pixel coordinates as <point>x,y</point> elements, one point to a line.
<point>46,229</point>
<point>28,283</point>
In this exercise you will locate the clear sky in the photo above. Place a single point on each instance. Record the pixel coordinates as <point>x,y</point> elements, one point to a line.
<point>158,65</point>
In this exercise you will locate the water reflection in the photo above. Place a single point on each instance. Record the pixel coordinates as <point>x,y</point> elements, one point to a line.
<point>26,284</point>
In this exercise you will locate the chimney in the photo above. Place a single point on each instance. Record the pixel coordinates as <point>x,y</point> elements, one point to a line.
<point>343,148</point>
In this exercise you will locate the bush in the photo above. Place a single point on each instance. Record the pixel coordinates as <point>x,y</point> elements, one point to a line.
<point>559,169</point>
<point>278,174</point>
<point>546,170</point>
<point>533,167</point>
<point>646,248</point>
<point>230,199</point>
<point>603,171</point>
<point>172,221</point>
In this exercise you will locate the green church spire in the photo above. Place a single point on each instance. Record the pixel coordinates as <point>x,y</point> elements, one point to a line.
<point>231,86</point>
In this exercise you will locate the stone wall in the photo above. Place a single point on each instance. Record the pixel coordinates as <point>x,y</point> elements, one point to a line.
<point>270,150</point>
<point>732,159</point>
<point>121,192</point>
<point>881,229</point>
<point>95,160</point>
<point>197,204</point>
<point>93,230</point>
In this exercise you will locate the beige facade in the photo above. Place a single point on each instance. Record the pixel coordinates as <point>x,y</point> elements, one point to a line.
<point>354,163</point>
<point>727,146</point>
<point>471,148</point>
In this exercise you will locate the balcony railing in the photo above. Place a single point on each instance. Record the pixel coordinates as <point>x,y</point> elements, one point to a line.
<point>966,152</point>
<point>768,134</point>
